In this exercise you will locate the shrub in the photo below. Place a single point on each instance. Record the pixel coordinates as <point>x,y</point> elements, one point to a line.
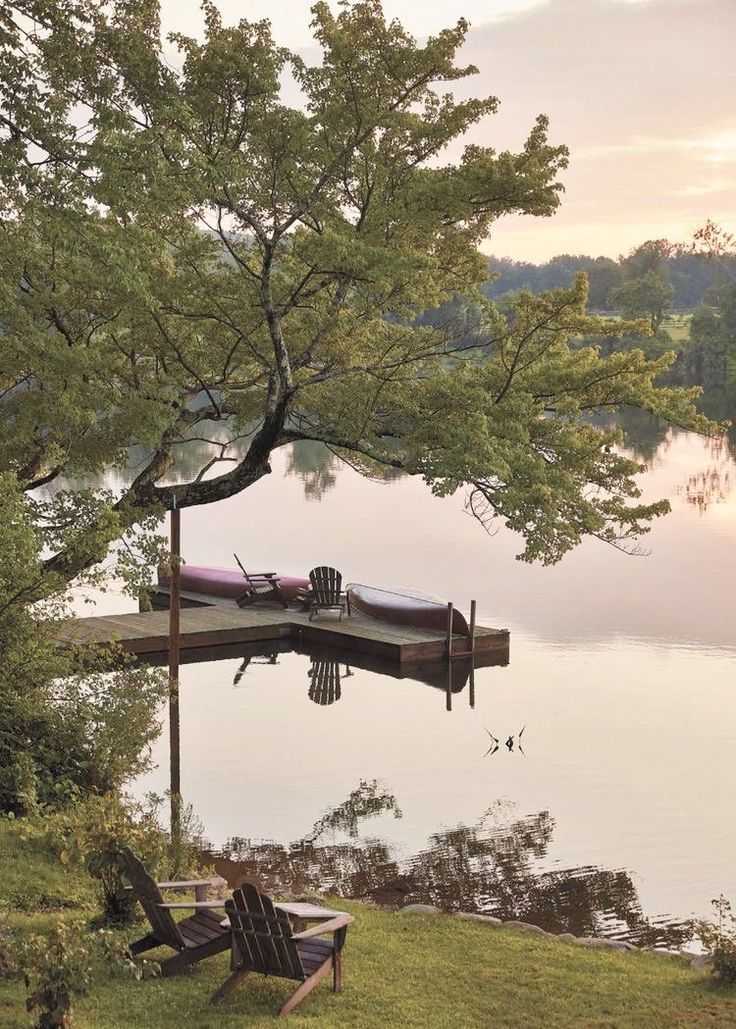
<point>8,948</point>
<point>719,939</point>
<point>122,963</point>
<point>93,832</point>
<point>90,731</point>
<point>56,968</point>
<point>64,717</point>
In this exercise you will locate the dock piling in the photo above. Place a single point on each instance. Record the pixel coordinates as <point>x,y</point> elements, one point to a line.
<point>174,660</point>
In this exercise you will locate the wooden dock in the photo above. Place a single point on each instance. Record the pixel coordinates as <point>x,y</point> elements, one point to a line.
<point>212,625</point>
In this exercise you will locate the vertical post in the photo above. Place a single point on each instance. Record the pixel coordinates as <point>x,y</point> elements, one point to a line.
<point>448,687</point>
<point>472,627</point>
<point>174,652</point>
<point>471,685</point>
<point>449,630</point>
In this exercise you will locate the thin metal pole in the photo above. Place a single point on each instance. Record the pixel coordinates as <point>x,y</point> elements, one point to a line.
<point>449,630</point>
<point>471,685</point>
<point>174,653</point>
<point>472,626</point>
<point>448,687</point>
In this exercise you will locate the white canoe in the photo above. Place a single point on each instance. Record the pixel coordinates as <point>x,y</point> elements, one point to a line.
<point>406,606</point>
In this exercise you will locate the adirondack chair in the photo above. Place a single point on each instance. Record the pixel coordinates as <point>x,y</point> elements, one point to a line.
<point>263,940</point>
<point>194,938</point>
<point>326,593</point>
<point>325,685</point>
<point>261,586</point>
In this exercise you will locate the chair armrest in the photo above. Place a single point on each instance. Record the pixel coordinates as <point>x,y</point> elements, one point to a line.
<point>189,884</point>
<point>332,926</point>
<point>306,911</point>
<point>194,904</point>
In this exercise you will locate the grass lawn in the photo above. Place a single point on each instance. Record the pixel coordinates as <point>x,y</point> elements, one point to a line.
<point>400,970</point>
<point>678,327</point>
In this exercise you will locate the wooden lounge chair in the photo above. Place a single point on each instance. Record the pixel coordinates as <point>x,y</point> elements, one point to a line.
<point>263,941</point>
<point>261,586</point>
<point>326,593</point>
<point>325,685</point>
<point>194,938</point>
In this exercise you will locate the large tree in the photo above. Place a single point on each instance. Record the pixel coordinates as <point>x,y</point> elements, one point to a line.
<point>709,356</point>
<point>646,289</point>
<point>179,246</point>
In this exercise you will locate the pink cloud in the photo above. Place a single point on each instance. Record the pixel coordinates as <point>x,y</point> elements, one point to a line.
<point>642,93</point>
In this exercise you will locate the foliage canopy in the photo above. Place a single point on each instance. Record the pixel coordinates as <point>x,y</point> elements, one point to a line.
<point>184,252</point>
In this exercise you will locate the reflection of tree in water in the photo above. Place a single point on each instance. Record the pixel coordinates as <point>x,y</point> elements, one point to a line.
<point>315,465</point>
<point>367,801</point>
<point>714,483</point>
<point>709,487</point>
<point>720,404</point>
<point>488,867</point>
<point>645,436</point>
<point>349,868</point>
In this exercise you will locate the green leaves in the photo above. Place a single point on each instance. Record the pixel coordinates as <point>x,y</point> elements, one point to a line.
<point>57,967</point>
<point>517,429</point>
<point>184,252</point>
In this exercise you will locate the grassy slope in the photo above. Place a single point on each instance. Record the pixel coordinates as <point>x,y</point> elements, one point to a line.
<point>400,970</point>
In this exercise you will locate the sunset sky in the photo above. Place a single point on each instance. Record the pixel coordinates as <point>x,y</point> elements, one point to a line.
<point>642,92</point>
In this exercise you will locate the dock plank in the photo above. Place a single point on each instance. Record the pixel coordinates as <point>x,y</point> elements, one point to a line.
<point>206,626</point>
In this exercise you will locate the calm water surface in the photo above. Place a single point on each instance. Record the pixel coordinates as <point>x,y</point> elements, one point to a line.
<point>607,804</point>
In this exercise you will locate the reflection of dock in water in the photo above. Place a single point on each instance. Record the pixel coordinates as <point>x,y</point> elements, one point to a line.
<point>210,624</point>
<point>450,677</point>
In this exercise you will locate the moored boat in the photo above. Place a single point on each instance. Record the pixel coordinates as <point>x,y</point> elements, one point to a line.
<point>227,582</point>
<point>406,607</point>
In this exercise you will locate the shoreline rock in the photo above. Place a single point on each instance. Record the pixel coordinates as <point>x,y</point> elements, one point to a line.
<point>698,962</point>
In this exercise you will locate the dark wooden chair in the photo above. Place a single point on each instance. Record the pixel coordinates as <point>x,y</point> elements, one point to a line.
<point>261,586</point>
<point>264,941</point>
<point>199,936</point>
<point>326,592</point>
<point>325,685</point>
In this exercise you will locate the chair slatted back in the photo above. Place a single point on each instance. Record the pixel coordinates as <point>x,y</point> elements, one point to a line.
<point>262,937</point>
<point>326,585</point>
<point>146,890</point>
<point>325,687</point>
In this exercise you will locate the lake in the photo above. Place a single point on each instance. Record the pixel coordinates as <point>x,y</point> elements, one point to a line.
<point>605,804</point>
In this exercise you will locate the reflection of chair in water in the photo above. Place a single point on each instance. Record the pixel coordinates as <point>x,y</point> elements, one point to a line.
<point>326,591</point>
<point>263,941</point>
<point>325,685</point>
<point>270,659</point>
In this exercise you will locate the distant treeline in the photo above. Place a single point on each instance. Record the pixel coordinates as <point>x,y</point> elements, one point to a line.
<point>655,281</point>
<point>690,276</point>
